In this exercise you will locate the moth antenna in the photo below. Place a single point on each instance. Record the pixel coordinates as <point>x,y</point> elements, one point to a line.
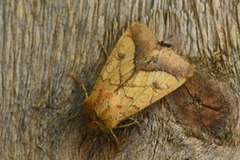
<point>115,137</point>
<point>104,49</point>
<point>78,81</point>
<point>132,123</point>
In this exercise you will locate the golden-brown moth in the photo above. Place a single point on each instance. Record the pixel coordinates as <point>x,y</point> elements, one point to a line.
<point>138,72</point>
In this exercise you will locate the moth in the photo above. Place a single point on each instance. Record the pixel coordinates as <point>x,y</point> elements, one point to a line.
<point>137,73</point>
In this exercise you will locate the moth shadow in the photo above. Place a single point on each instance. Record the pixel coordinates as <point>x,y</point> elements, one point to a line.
<point>206,107</point>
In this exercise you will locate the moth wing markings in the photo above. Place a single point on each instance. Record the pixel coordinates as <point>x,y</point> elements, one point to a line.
<point>165,83</point>
<point>112,68</point>
<point>171,83</point>
<point>126,98</point>
<point>109,83</point>
<point>127,64</point>
<point>149,91</point>
<point>161,78</point>
<point>130,108</point>
<point>118,106</point>
<point>126,69</point>
<point>123,102</point>
<point>139,103</point>
<point>125,78</point>
<point>110,65</point>
<point>124,38</point>
<point>115,76</point>
<point>128,74</point>
<point>125,54</point>
<point>118,69</point>
<point>126,60</point>
<point>137,80</point>
<point>128,88</point>
<point>150,94</point>
<point>119,77</point>
<point>141,99</point>
<point>131,80</point>
<point>141,78</point>
<point>135,89</point>
<point>151,77</point>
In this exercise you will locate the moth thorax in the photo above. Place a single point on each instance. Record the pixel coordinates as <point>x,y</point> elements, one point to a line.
<point>93,121</point>
<point>94,106</point>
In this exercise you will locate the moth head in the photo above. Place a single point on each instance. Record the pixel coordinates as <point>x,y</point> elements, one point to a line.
<point>90,114</point>
<point>90,105</point>
<point>101,109</point>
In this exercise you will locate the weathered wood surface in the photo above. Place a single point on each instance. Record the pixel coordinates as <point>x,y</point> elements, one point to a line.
<point>43,41</point>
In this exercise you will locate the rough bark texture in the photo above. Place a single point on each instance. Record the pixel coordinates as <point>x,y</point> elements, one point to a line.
<point>43,41</point>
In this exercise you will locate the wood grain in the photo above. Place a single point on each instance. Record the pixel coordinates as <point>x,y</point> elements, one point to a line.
<point>43,41</point>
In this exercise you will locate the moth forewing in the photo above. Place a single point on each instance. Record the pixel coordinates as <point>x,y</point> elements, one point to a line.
<point>138,72</point>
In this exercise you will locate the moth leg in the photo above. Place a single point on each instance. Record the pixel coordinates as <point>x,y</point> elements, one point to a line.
<point>115,137</point>
<point>104,49</point>
<point>132,123</point>
<point>78,81</point>
<point>137,123</point>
